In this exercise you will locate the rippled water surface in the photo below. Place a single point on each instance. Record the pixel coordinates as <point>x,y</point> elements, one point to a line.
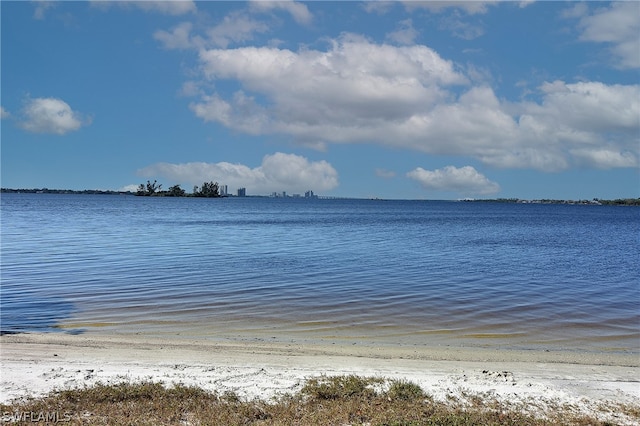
<point>390,272</point>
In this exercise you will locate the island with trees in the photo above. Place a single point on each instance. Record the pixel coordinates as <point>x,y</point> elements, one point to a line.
<point>154,189</point>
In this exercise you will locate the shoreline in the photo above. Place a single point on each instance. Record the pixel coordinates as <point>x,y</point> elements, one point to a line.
<point>37,363</point>
<point>312,347</point>
<point>628,201</point>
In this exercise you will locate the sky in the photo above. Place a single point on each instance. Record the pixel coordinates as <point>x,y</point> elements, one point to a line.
<point>397,100</point>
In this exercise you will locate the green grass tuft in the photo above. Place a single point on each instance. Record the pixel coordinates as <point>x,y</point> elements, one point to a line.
<point>405,391</point>
<point>340,387</point>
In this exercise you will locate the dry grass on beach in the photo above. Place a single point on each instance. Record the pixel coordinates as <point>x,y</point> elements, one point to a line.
<point>340,400</point>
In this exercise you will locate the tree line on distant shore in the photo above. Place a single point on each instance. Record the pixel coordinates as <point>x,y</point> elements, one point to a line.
<point>63,191</point>
<point>150,189</point>
<point>595,201</point>
<point>212,189</point>
<point>154,189</point>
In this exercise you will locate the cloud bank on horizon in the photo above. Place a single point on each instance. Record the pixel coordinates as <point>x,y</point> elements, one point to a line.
<point>279,170</point>
<point>431,95</point>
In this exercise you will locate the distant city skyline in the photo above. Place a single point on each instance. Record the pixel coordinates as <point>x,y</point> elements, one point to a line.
<point>405,100</point>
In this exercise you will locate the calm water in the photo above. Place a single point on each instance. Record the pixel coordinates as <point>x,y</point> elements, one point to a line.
<point>389,272</point>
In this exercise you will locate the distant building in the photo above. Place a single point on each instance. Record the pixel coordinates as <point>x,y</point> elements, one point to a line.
<point>310,194</point>
<point>282,194</point>
<point>242,192</point>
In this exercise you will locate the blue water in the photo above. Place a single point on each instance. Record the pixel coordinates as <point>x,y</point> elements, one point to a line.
<point>388,272</point>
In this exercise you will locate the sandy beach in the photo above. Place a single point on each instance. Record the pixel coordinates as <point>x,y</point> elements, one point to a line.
<point>34,364</point>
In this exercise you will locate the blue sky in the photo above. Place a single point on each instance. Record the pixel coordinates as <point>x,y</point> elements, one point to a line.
<point>435,100</point>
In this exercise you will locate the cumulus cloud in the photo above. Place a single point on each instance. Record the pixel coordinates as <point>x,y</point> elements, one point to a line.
<point>357,91</point>
<point>617,25</point>
<point>340,95</point>
<point>50,115</point>
<point>464,180</point>
<point>278,172</point>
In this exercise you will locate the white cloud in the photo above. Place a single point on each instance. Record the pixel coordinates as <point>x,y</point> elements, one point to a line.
<point>592,106</point>
<point>352,86</point>
<point>405,34</point>
<point>592,123</point>
<point>242,114</point>
<point>464,180</point>
<point>278,172</point>
<point>50,115</point>
<point>298,11</point>
<point>166,7</point>
<point>4,113</point>
<point>617,25</point>
<point>405,97</point>
<point>603,158</point>
<point>129,188</point>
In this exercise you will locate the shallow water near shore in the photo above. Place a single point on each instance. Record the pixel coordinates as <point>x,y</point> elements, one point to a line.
<point>414,273</point>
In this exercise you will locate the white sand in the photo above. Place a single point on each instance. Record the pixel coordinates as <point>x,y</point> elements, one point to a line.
<point>34,364</point>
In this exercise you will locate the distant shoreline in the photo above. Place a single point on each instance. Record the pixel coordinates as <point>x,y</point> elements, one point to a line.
<point>594,201</point>
<point>64,191</point>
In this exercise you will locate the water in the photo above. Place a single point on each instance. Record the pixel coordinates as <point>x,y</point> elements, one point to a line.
<point>426,273</point>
